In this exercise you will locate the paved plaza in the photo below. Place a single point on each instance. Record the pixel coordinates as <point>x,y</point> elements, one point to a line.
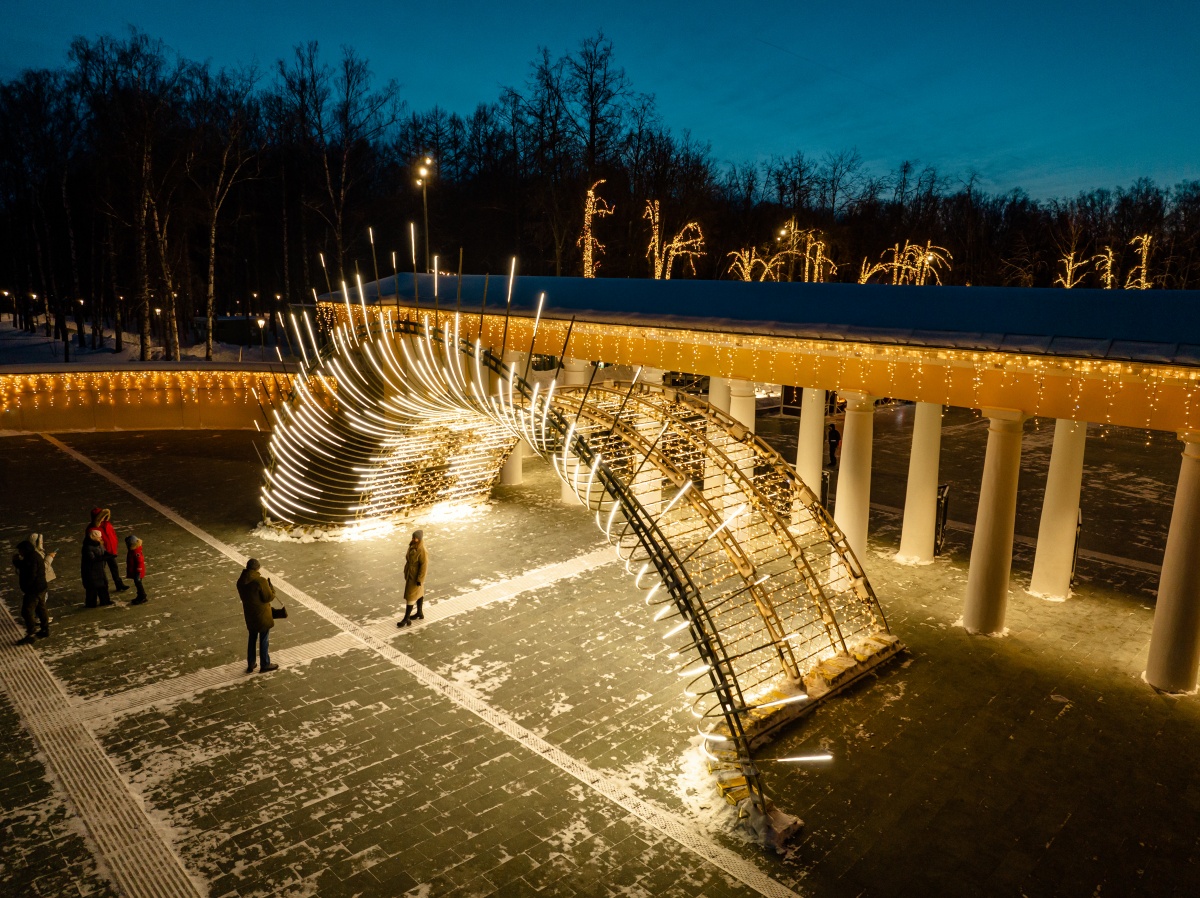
<point>530,736</point>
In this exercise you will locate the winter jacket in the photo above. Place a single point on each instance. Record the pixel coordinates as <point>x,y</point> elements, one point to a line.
<point>135,564</point>
<point>102,521</point>
<point>31,569</point>
<point>415,564</point>
<point>91,565</point>
<point>257,595</point>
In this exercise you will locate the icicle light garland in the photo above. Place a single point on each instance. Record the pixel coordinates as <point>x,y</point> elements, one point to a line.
<point>709,520</point>
<point>67,389</point>
<point>1038,384</point>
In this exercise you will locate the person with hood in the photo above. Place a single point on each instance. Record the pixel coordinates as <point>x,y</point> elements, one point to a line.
<point>102,521</point>
<point>31,577</point>
<point>135,567</point>
<point>91,570</point>
<point>415,563</point>
<point>257,593</point>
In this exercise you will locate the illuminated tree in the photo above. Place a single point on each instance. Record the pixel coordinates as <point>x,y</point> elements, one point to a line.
<point>911,264</point>
<point>805,244</point>
<point>1106,265</point>
<point>1138,278</point>
<point>1072,271</point>
<point>747,262</point>
<point>687,243</point>
<point>593,207</point>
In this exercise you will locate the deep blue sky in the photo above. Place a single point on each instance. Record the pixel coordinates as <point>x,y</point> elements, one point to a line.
<point>1051,95</point>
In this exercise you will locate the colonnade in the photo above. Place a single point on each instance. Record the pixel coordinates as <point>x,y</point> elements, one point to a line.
<point>1174,654</point>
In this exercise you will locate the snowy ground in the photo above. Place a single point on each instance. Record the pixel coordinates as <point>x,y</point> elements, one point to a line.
<point>1038,764</point>
<point>19,349</point>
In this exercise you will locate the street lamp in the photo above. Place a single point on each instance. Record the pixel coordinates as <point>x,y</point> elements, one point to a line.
<point>261,340</point>
<point>424,171</point>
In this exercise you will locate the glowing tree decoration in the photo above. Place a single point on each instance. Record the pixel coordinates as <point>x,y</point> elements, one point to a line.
<point>805,244</point>
<point>593,207</point>
<point>911,264</point>
<point>1072,271</point>
<point>765,606</point>
<point>1106,265</point>
<point>1139,278</point>
<point>746,262</point>
<point>689,243</point>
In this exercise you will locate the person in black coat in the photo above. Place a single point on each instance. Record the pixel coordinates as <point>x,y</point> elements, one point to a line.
<point>92,570</point>
<point>31,577</point>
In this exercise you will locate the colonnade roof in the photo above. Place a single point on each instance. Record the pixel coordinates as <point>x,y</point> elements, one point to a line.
<point>1155,326</point>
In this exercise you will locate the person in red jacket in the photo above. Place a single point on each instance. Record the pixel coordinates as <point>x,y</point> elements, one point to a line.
<point>102,521</point>
<point>135,567</point>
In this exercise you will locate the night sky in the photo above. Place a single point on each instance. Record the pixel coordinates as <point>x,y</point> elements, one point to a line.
<point>1054,96</point>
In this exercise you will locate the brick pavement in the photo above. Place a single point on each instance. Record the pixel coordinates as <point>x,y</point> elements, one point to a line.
<point>1036,764</point>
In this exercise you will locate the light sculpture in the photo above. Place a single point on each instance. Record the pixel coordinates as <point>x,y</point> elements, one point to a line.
<point>765,604</point>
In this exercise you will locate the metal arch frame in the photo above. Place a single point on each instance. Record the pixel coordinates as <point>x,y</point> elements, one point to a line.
<point>362,433</point>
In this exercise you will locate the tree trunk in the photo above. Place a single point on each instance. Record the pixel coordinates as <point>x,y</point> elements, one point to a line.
<point>143,275</point>
<point>118,323</point>
<point>210,291</point>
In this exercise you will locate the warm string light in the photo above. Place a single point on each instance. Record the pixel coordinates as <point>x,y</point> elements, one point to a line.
<point>593,207</point>
<point>912,264</point>
<point>946,376</point>
<point>688,243</point>
<point>1072,273</point>
<point>1139,277</point>
<point>1106,266</point>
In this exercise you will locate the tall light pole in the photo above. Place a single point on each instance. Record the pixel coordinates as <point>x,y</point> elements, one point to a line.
<point>262,344</point>
<point>423,181</point>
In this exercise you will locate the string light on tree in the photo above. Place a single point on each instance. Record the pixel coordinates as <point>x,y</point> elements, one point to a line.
<point>593,207</point>
<point>688,243</point>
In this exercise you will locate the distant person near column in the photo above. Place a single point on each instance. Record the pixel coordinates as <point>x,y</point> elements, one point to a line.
<point>102,521</point>
<point>415,563</point>
<point>91,570</point>
<point>31,578</point>
<point>257,593</point>
<point>135,567</point>
<point>835,440</point>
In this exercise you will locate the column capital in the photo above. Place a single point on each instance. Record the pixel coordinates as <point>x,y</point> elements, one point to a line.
<point>857,402</point>
<point>1006,414</point>
<point>1191,443</point>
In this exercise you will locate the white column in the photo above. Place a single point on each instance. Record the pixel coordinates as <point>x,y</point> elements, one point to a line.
<point>852,510</point>
<point>651,376</point>
<point>718,393</point>
<point>810,444</point>
<point>1175,639</point>
<point>920,502</point>
<point>741,402</point>
<point>513,474</point>
<point>991,548</point>
<point>575,373</point>
<point>1060,512</point>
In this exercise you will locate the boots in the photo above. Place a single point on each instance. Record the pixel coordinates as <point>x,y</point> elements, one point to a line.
<point>407,622</point>
<point>420,615</point>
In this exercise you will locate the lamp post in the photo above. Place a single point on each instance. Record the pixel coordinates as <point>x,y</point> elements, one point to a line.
<point>262,345</point>
<point>423,181</point>
<point>158,326</point>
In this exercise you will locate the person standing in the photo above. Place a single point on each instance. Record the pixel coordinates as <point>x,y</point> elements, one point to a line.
<point>257,593</point>
<point>102,521</point>
<point>135,567</point>
<point>415,563</point>
<point>31,577</point>
<point>835,440</point>
<point>91,570</point>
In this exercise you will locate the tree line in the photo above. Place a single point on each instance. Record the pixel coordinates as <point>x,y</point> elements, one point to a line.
<point>143,190</point>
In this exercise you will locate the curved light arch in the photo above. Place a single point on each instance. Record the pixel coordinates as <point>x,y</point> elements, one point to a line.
<point>762,598</point>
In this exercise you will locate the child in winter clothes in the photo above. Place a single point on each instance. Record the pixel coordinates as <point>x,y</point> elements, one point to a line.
<point>135,567</point>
